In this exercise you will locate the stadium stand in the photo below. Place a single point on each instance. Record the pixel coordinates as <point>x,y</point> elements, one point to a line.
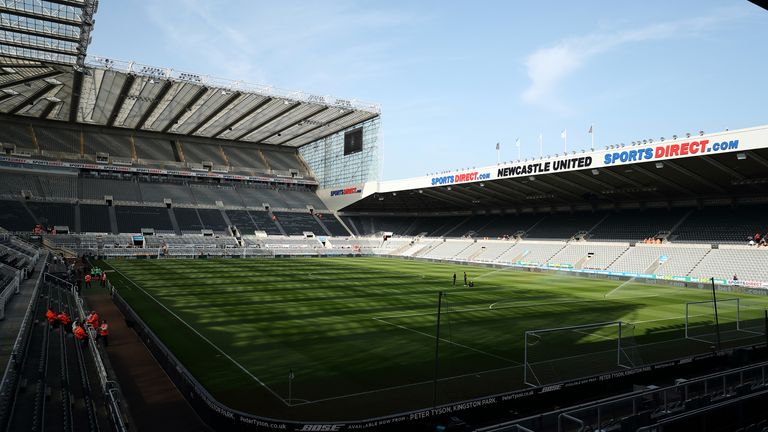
<point>156,192</point>
<point>745,262</point>
<point>212,219</point>
<point>660,259</point>
<point>263,221</point>
<point>706,224</point>
<point>245,158</point>
<point>332,224</point>
<point>298,223</point>
<point>242,220</point>
<point>12,183</point>
<point>188,220</point>
<point>116,145</point>
<point>131,219</point>
<point>208,195</point>
<point>94,218</point>
<point>155,149</point>
<point>636,225</point>
<point>18,133</point>
<point>120,190</point>
<point>52,214</point>
<point>15,216</point>
<point>589,255</point>
<point>59,140</point>
<point>198,153</point>
<point>559,226</point>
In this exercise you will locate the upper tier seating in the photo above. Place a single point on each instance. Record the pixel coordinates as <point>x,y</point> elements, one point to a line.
<point>94,218</point>
<point>509,225</point>
<point>589,255</point>
<point>118,145</point>
<point>245,157</point>
<point>212,219</point>
<point>208,195</point>
<point>637,225</point>
<point>297,223</point>
<point>61,140</point>
<point>14,217</point>
<point>198,153</point>
<point>564,225</point>
<point>188,219</point>
<point>706,225</point>
<point>121,190</point>
<point>53,214</point>
<point>333,224</point>
<point>131,219</point>
<point>157,192</point>
<point>154,149</point>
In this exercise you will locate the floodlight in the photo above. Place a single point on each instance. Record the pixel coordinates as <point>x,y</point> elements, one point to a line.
<point>659,164</point>
<point>741,156</point>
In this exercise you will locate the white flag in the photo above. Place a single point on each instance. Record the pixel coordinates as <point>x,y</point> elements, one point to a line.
<point>497,146</point>
<point>590,130</point>
<point>564,134</point>
<point>517,142</point>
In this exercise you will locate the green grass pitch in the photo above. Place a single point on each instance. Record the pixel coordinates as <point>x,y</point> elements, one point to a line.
<point>359,333</point>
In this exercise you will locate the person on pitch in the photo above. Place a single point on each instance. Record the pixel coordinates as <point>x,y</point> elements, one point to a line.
<point>454,279</point>
<point>465,278</point>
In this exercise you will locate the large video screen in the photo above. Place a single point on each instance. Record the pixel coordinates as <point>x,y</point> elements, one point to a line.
<point>353,141</point>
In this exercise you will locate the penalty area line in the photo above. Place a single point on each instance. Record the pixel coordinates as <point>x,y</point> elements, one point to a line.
<point>255,378</point>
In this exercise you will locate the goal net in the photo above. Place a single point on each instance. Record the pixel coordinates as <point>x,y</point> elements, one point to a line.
<point>736,319</point>
<point>560,354</point>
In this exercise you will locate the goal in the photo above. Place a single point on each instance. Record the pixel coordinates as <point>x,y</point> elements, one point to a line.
<point>736,319</point>
<point>559,354</point>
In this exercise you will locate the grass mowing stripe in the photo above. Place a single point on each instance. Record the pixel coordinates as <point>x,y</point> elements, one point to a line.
<point>204,338</point>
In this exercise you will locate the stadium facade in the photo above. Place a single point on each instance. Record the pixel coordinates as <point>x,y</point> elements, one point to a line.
<point>113,159</point>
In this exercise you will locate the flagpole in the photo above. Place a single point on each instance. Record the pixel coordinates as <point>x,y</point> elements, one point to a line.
<point>498,155</point>
<point>541,146</point>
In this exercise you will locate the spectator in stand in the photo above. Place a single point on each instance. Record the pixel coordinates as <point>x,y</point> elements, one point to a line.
<point>735,278</point>
<point>88,280</point>
<point>93,319</point>
<point>80,334</point>
<point>104,279</point>
<point>50,315</point>
<point>64,320</point>
<point>104,333</point>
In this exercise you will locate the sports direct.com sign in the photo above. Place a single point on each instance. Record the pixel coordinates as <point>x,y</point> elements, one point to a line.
<point>691,148</point>
<point>741,140</point>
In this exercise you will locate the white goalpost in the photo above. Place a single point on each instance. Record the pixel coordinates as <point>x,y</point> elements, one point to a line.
<point>733,319</point>
<point>558,354</point>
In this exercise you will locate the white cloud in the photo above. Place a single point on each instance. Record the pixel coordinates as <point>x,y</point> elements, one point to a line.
<point>548,67</point>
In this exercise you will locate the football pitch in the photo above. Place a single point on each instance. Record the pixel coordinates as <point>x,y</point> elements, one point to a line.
<point>337,339</point>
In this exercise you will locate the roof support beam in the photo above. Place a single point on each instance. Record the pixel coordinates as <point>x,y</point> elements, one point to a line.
<point>188,107</point>
<point>39,17</point>
<point>242,117</point>
<point>77,88</point>
<point>303,119</point>
<point>42,48</point>
<point>48,109</point>
<point>723,168</point>
<point>72,3</point>
<point>32,98</point>
<point>661,179</point>
<point>757,158</point>
<point>224,105</point>
<point>348,113</point>
<point>333,133</point>
<point>153,105</point>
<point>120,99</point>
<point>267,121</point>
<point>26,80</point>
<point>691,174</point>
<point>442,196</point>
<point>32,32</point>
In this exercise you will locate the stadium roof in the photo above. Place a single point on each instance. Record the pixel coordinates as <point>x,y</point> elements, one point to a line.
<point>129,95</point>
<point>727,167</point>
<point>52,31</point>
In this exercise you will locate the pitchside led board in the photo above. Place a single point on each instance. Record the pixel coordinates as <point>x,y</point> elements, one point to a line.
<point>694,146</point>
<point>353,141</point>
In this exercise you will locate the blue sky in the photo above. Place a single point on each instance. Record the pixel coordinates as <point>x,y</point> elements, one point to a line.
<point>453,78</point>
